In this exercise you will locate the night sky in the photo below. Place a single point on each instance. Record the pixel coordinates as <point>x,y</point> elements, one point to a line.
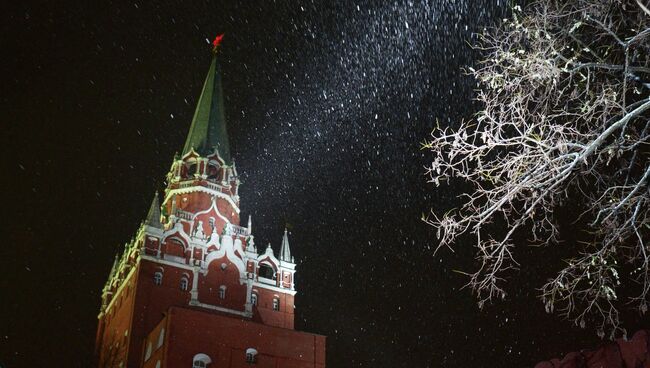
<point>327,106</point>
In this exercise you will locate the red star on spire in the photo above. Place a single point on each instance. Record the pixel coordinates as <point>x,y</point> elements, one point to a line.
<point>217,41</point>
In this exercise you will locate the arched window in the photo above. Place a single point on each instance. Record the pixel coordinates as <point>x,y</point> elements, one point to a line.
<point>191,169</point>
<point>276,304</point>
<point>158,364</point>
<point>251,355</point>
<point>184,283</point>
<point>222,292</point>
<point>175,247</point>
<point>254,299</point>
<point>157,278</point>
<point>201,360</point>
<point>267,272</point>
<point>213,172</point>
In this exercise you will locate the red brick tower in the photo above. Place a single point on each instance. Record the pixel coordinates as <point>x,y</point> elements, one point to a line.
<point>191,290</point>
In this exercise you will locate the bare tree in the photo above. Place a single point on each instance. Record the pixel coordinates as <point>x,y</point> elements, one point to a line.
<point>564,89</point>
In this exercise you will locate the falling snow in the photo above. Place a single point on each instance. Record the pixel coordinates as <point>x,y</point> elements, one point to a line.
<point>327,106</point>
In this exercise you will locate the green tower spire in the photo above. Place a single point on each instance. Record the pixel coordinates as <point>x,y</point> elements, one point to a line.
<point>208,130</point>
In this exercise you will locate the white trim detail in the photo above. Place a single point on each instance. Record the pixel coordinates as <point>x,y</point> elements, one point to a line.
<point>161,338</point>
<point>200,188</point>
<point>216,210</point>
<point>147,353</point>
<point>221,309</point>
<point>177,229</point>
<point>227,250</point>
<point>274,288</point>
<point>200,357</point>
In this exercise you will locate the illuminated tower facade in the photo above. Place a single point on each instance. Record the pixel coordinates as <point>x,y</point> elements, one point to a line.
<point>191,288</point>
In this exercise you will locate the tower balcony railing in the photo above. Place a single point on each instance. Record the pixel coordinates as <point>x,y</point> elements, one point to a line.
<point>205,183</point>
<point>184,215</point>
<point>239,230</point>
<point>187,184</point>
<point>214,186</point>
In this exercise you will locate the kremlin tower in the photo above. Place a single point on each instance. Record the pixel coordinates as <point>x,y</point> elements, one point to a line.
<point>191,288</point>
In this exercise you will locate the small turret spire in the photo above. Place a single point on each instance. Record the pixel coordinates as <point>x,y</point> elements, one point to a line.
<point>285,251</point>
<point>269,250</point>
<point>250,224</point>
<point>153,216</point>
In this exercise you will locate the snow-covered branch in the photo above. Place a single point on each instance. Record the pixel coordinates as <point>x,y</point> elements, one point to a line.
<point>564,121</point>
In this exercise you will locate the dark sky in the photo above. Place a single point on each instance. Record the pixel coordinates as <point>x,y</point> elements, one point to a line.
<point>327,105</point>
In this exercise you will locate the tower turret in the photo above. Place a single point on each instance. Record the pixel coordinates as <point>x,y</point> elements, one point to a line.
<point>204,172</point>
<point>192,264</point>
<point>285,252</point>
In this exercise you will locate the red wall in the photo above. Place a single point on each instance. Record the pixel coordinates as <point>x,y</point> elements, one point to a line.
<point>152,301</point>
<point>621,353</point>
<point>157,352</point>
<point>264,312</point>
<point>114,334</point>
<point>229,276</point>
<point>141,305</point>
<point>225,339</point>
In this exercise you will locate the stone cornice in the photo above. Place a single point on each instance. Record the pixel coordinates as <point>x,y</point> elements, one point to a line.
<point>274,288</point>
